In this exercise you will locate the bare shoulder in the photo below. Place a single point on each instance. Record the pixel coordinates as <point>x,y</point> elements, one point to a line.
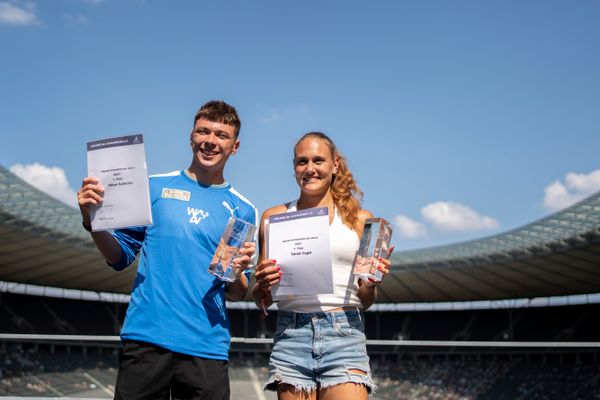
<point>363,215</point>
<point>274,210</point>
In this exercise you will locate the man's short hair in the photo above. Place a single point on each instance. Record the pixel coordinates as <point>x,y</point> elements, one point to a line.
<point>219,111</point>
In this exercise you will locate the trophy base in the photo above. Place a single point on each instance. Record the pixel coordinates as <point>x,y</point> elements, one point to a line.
<point>229,275</point>
<point>367,277</point>
<point>366,268</point>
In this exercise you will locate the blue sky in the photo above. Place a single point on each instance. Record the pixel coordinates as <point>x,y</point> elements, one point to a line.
<point>460,119</point>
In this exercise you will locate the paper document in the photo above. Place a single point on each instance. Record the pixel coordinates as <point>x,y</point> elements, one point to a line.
<point>299,241</point>
<point>120,166</point>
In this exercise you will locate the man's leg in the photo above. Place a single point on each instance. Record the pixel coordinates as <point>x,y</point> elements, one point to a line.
<point>198,378</point>
<point>145,372</point>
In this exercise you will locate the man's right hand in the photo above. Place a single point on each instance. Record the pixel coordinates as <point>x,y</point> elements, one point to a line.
<point>90,194</point>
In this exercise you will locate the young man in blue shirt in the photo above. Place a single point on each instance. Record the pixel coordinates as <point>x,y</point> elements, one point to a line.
<point>176,331</point>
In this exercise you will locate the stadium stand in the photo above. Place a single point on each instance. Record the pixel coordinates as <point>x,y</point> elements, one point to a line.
<point>46,368</point>
<point>37,314</point>
<point>576,323</point>
<point>409,376</point>
<point>487,379</point>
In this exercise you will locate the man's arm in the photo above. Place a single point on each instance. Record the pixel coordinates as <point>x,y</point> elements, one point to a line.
<point>108,246</point>
<point>236,290</point>
<point>90,195</point>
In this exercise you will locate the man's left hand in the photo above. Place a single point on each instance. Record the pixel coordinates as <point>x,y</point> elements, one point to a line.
<point>246,252</point>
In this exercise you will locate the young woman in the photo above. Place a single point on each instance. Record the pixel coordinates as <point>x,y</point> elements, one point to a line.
<point>319,351</point>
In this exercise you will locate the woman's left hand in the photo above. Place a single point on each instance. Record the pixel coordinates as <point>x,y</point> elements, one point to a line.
<point>383,266</point>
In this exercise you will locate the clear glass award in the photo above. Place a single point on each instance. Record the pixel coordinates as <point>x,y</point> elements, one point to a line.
<point>374,244</point>
<point>236,233</point>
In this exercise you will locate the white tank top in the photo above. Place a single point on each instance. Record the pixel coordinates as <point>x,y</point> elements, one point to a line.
<point>344,244</point>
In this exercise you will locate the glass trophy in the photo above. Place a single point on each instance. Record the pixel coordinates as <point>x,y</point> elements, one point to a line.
<point>374,244</point>
<point>236,233</point>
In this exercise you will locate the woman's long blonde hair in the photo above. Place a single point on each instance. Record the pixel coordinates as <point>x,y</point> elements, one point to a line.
<point>345,192</point>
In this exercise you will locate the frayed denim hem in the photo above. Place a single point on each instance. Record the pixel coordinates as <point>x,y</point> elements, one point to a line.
<point>356,378</point>
<point>275,381</point>
<point>352,377</point>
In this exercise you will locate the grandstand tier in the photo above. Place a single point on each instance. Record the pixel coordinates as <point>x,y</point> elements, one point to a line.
<point>45,315</point>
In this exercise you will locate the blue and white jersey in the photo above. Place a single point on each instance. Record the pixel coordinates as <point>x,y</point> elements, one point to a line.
<point>175,303</point>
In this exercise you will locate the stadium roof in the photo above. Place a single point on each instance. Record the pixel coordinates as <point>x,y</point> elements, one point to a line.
<point>557,255</point>
<point>42,243</point>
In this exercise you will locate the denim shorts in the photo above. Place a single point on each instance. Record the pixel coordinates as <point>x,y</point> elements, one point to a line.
<point>312,351</point>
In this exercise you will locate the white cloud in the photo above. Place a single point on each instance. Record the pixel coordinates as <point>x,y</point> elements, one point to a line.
<point>11,14</point>
<point>451,216</point>
<point>50,180</point>
<point>410,229</point>
<point>557,196</point>
<point>587,183</point>
<point>576,187</point>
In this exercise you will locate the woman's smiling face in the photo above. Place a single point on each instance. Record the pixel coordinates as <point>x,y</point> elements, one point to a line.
<point>314,165</point>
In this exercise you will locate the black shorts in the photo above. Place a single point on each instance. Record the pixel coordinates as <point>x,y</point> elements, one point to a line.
<point>151,372</point>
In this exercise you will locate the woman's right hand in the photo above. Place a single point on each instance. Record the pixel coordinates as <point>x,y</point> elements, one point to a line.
<point>267,274</point>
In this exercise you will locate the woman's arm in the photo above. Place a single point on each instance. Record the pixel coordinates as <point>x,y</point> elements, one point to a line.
<point>367,291</point>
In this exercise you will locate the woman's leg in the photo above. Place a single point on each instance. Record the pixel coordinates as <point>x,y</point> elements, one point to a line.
<point>289,392</point>
<point>344,391</point>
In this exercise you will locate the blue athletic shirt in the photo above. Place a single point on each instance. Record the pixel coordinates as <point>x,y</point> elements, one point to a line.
<point>175,302</point>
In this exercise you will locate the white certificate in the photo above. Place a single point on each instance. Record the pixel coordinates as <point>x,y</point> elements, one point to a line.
<point>120,166</point>
<point>299,241</point>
